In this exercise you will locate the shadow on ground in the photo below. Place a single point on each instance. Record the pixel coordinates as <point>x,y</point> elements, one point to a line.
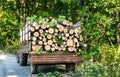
<point>51,68</point>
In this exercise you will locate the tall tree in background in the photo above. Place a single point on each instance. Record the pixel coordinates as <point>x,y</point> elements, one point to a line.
<point>100,18</point>
<point>118,36</point>
<point>8,24</point>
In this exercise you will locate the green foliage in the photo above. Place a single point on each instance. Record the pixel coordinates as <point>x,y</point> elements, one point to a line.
<point>38,51</point>
<point>55,73</point>
<point>98,18</point>
<point>44,33</point>
<point>109,54</point>
<point>59,41</point>
<point>34,18</point>
<point>21,25</point>
<point>51,24</point>
<point>49,74</point>
<point>86,55</point>
<point>97,69</point>
<point>66,1</point>
<point>39,74</point>
<point>94,51</point>
<point>61,18</point>
<point>108,65</point>
<point>9,28</point>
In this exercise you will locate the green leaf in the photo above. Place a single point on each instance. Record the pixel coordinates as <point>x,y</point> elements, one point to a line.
<point>51,24</point>
<point>33,18</point>
<point>39,74</point>
<point>49,74</point>
<point>56,73</point>
<point>59,41</point>
<point>44,33</point>
<point>61,18</point>
<point>94,51</point>
<point>21,25</point>
<point>38,51</point>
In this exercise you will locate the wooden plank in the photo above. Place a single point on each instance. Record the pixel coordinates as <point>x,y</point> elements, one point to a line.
<point>56,58</point>
<point>54,61</point>
<point>29,35</point>
<point>20,34</point>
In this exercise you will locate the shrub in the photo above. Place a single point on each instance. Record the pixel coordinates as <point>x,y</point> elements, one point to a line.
<point>89,69</point>
<point>108,65</point>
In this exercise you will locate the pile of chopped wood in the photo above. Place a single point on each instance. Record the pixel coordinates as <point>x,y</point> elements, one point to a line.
<point>51,35</point>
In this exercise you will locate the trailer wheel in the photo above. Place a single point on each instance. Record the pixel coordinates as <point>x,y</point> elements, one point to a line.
<point>18,60</point>
<point>23,59</point>
<point>34,68</point>
<point>70,67</point>
<point>18,57</point>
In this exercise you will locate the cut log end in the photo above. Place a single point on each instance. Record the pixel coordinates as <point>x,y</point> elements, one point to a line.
<point>52,49</point>
<point>36,47</point>
<point>50,42</point>
<point>43,26</point>
<point>81,39</point>
<point>40,30</point>
<point>51,30</point>
<point>61,28</point>
<point>47,47</point>
<point>65,30</point>
<point>32,29</point>
<point>70,42</point>
<point>70,23</point>
<point>40,42</point>
<point>34,38</point>
<point>37,27</point>
<point>49,36</point>
<point>77,31</point>
<point>67,35</point>
<point>33,42</point>
<point>36,34</point>
<point>71,31</point>
<point>70,49</point>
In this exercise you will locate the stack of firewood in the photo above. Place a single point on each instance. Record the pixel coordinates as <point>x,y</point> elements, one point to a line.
<point>52,35</point>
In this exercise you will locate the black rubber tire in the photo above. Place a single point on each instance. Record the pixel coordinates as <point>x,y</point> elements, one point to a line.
<point>23,59</point>
<point>18,60</point>
<point>34,68</point>
<point>70,67</point>
<point>17,57</point>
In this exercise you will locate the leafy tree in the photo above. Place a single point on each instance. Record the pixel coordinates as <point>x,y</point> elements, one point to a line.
<point>100,18</point>
<point>8,25</point>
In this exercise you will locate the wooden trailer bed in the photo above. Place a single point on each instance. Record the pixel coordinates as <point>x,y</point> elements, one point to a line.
<point>57,58</point>
<point>69,59</point>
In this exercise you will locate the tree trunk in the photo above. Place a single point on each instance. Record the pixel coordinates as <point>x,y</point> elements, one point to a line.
<point>118,37</point>
<point>118,31</point>
<point>21,11</point>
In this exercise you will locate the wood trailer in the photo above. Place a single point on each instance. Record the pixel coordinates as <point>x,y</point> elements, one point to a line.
<point>29,48</point>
